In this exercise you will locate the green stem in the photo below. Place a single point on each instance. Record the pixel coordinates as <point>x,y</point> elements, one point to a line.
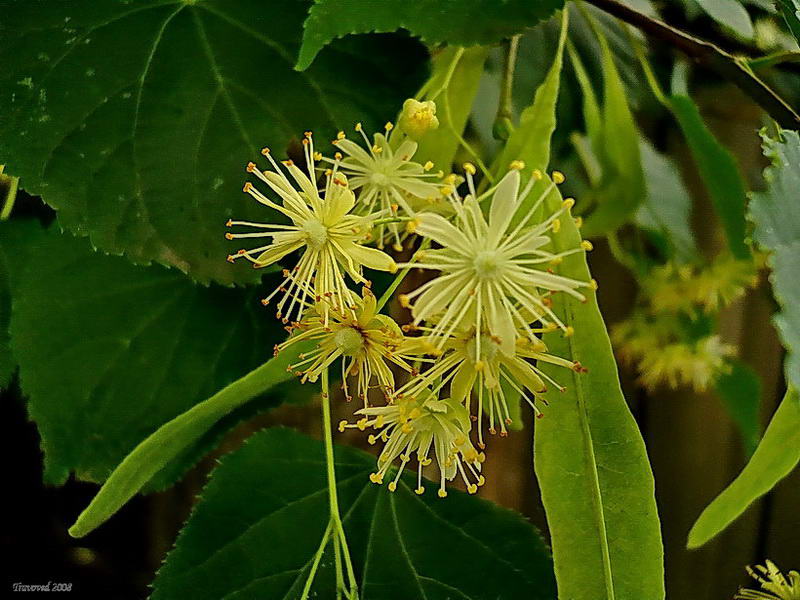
<point>317,558</point>
<point>11,194</point>
<point>503,125</point>
<point>339,536</point>
<point>399,278</point>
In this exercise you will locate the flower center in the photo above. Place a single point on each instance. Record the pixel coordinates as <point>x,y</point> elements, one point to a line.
<point>488,349</point>
<point>349,341</point>
<point>487,264</point>
<point>379,179</point>
<point>316,233</point>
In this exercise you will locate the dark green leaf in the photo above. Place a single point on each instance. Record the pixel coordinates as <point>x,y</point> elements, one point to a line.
<point>596,482</point>
<point>719,171</point>
<point>135,120</point>
<point>776,214</point>
<point>7,362</point>
<point>668,204</point>
<point>791,14</point>
<point>172,440</point>
<point>464,23</point>
<point>776,456</point>
<point>740,390</point>
<point>108,351</point>
<point>264,511</point>
<point>731,14</point>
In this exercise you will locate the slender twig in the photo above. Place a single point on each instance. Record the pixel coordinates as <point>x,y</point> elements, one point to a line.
<point>503,124</point>
<point>11,184</point>
<point>710,56</point>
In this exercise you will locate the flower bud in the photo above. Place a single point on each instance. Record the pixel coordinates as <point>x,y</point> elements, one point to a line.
<point>418,118</point>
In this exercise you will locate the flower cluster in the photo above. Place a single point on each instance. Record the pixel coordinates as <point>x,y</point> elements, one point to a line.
<point>474,340</point>
<point>774,584</point>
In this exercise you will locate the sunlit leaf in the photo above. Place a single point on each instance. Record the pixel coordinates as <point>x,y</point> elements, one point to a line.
<point>776,214</point>
<point>791,14</point>
<point>136,120</point>
<point>776,456</point>
<point>262,516</point>
<point>465,23</point>
<point>731,14</point>
<point>596,482</point>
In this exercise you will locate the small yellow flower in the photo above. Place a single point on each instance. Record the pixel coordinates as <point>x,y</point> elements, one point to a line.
<point>367,343</point>
<point>474,364</point>
<point>386,180</point>
<point>418,118</point>
<point>494,275</point>
<point>774,584</point>
<point>322,226</point>
<point>434,430</point>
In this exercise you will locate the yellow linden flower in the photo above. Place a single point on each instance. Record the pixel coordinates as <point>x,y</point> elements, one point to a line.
<point>434,430</point>
<point>322,226</point>
<point>494,275</point>
<point>386,180</point>
<point>774,584</point>
<point>472,363</point>
<point>664,359</point>
<point>366,341</point>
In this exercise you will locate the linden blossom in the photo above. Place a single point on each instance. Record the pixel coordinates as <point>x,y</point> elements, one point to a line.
<point>411,425</point>
<point>322,225</point>
<point>474,363</point>
<point>775,585</point>
<point>367,342</point>
<point>386,179</point>
<point>491,272</point>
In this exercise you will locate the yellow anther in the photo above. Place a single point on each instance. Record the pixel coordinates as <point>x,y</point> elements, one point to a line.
<point>578,222</point>
<point>358,127</point>
<point>419,491</point>
<point>265,151</point>
<point>558,177</point>
<point>556,226</point>
<point>556,260</point>
<point>587,245</point>
<point>338,156</point>
<point>568,203</point>
<point>446,190</point>
<point>371,439</point>
<point>517,165</point>
<point>481,480</point>
<point>427,166</point>
<point>388,126</point>
<point>569,331</point>
<point>442,493</point>
<point>362,424</point>
<point>340,135</point>
<point>411,226</point>
<point>472,488</point>
<point>247,187</point>
<point>342,425</point>
<point>593,284</point>
<point>469,168</point>
<point>392,486</point>
<point>228,235</point>
<point>537,174</point>
<point>317,155</point>
<point>406,428</point>
<point>376,478</point>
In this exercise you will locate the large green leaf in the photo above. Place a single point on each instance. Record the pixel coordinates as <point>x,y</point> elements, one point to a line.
<point>616,145</point>
<point>740,391</point>
<point>135,120</point>
<point>263,513</point>
<point>731,14</point>
<point>776,456</point>
<point>719,171</point>
<point>776,214</point>
<point>108,351</point>
<point>463,23</point>
<point>596,482</point>
<point>7,362</point>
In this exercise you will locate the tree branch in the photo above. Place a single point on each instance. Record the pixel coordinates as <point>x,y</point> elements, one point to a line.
<point>710,56</point>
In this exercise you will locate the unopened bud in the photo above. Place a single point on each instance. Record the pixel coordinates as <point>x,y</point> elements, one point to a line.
<point>418,118</point>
